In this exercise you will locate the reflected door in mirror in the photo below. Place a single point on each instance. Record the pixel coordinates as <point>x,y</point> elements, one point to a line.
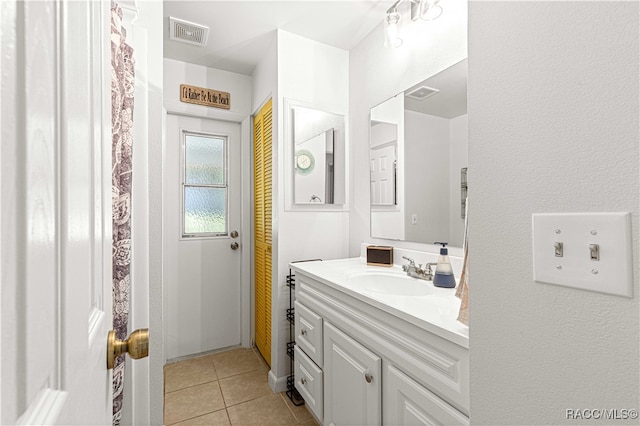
<point>383,164</point>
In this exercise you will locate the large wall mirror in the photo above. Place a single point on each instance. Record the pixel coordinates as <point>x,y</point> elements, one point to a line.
<point>318,142</point>
<point>418,161</point>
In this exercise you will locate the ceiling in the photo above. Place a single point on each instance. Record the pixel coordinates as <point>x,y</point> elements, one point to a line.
<point>451,99</point>
<point>241,31</point>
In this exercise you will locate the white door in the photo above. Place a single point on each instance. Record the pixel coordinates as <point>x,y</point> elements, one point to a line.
<point>353,383</point>
<point>383,175</point>
<point>202,252</point>
<point>55,213</point>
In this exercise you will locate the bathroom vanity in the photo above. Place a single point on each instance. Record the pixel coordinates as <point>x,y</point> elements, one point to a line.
<point>374,346</point>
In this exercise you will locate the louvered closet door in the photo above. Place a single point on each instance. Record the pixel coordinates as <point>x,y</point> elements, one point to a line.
<point>262,135</point>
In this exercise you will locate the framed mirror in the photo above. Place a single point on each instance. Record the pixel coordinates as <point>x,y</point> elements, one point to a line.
<point>418,154</point>
<point>317,140</point>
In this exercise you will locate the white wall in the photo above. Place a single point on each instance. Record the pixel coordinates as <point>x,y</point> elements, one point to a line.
<point>185,315</point>
<point>433,192</point>
<point>554,127</point>
<point>427,180</point>
<point>238,85</point>
<point>264,79</point>
<point>316,75</point>
<point>376,74</point>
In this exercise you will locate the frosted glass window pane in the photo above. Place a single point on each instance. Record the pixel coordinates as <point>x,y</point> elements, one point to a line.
<point>204,210</point>
<point>204,158</point>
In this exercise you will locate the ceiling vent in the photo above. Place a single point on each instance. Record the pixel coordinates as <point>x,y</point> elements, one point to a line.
<point>188,32</point>
<point>421,93</point>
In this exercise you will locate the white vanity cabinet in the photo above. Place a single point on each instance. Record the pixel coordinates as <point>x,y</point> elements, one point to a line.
<point>358,362</point>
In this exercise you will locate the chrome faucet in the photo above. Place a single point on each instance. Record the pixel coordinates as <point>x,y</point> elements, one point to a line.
<point>416,271</point>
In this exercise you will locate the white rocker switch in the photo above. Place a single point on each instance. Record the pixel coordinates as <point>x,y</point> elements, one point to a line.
<point>589,251</point>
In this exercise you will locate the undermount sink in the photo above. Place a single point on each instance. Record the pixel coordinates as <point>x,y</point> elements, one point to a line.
<point>390,283</point>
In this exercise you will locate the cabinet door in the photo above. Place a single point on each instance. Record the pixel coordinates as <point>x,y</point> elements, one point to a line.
<point>406,402</point>
<point>352,388</point>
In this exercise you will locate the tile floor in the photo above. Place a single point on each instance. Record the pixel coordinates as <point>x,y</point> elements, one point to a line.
<point>226,388</point>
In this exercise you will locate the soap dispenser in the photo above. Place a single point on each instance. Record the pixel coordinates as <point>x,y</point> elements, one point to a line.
<point>443,277</point>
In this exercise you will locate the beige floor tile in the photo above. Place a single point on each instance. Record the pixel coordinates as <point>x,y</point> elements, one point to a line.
<point>300,412</point>
<point>217,418</point>
<point>188,373</point>
<point>268,410</point>
<point>310,422</point>
<point>192,402</point>
<point>262,361</point>
<point>235,361</point>
<point>245,387</point>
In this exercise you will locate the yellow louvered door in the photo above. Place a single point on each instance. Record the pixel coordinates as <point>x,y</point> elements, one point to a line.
<point>262,135</point>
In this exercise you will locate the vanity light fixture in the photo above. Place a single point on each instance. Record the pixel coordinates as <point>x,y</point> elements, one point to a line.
<point>427,10</point>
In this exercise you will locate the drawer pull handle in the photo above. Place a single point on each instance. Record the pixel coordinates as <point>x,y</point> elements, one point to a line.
<point>368,377</point>
<point>303,381</point>
<point>303,332</point>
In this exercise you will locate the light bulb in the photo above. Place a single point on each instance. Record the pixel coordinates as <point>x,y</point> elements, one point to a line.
<point>430,10</point>
<point>391,38</point>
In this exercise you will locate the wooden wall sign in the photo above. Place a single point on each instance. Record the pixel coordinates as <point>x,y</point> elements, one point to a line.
<point>206,97</point>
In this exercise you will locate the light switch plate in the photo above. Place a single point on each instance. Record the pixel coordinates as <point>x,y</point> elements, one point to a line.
<point>572,266</point>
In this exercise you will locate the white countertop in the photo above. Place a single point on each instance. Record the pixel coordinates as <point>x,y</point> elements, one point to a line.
<point>435,312</point>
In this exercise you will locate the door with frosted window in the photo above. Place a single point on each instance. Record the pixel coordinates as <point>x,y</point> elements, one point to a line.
<point>202,220</point>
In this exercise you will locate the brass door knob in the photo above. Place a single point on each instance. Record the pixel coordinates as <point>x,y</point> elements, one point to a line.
<point>137,346</point>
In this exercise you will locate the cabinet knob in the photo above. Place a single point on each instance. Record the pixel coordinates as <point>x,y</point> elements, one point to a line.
<point>303,381</point>
<point>368,377</point>
<point>303,332</point>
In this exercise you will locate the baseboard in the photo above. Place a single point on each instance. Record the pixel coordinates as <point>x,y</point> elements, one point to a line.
<point>199,354</point>
<point>277,384</point>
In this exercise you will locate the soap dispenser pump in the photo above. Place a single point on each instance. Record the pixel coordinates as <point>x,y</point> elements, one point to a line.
<point>443,277</point>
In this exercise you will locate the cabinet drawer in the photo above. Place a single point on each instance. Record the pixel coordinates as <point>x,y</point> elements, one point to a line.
<point>406,402</point>
<point>308,381</point>
<point>309,332</point>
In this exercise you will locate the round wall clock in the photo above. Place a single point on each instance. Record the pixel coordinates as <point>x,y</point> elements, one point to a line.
<point>304,161</point>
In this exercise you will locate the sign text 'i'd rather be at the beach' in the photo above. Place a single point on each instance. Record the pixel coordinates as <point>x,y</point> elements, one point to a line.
<point>206,97</point>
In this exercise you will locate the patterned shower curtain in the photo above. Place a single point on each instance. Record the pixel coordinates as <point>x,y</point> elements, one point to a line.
<point>122,90</point>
